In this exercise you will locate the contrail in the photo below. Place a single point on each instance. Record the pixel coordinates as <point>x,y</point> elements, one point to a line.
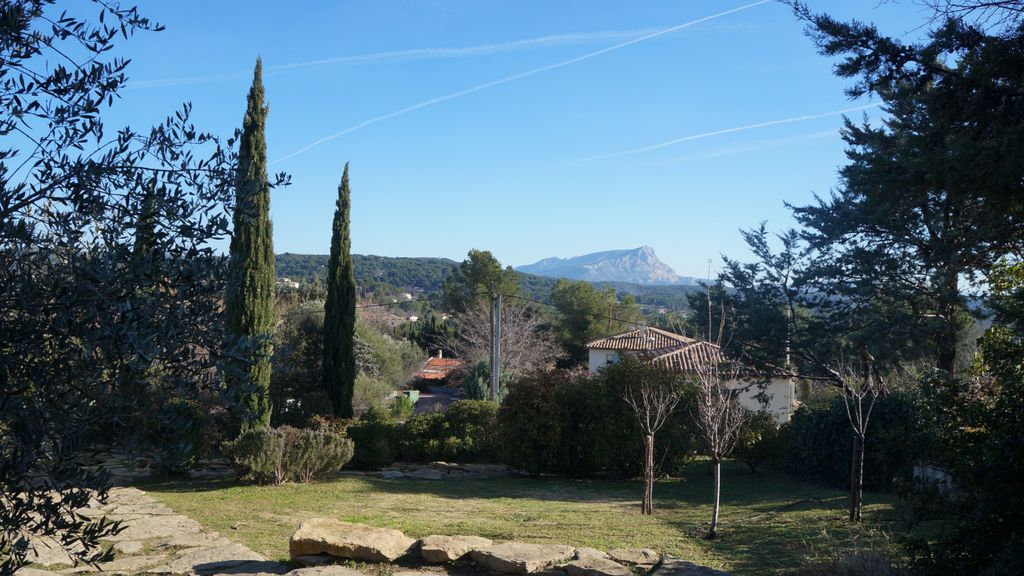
<point>405,55</point>
<point>725,131</point>
<point>513,78</point>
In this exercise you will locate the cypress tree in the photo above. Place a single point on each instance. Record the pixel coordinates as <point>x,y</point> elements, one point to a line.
<point>340,311</point>
<point>249,301</point>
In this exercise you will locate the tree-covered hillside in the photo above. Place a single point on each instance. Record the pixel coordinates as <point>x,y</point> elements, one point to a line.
<point>407,273</point>
<point>428,274</point>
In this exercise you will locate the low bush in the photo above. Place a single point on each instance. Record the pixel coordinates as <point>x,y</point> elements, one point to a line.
<point>570,423</point>
<point>760,443</point>
<point>402,407</point>
<point>376,437</point>
<point>274,455</point>
<point>466,432</point>
<point>313,454</point>
<point>817,443</point>
<point>257,455</point>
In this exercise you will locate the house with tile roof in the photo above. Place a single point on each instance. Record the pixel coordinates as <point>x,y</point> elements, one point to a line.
<point>438,368</point>
<point>686,356</point>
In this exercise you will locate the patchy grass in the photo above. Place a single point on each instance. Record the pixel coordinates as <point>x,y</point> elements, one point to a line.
<point>770,524</point>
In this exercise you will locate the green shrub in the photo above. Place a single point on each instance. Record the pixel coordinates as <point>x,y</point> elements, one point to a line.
<point>257,454</point>
<point>817,442</point>
<point>402,407</point>
<point>375,435</point>
<point>760,441</point>
<point>420,437</point>
<point>529,423</point>
<point>578,425</point>
<point>466,432</point>
<point>369,393</point>
<point>472,431</point>
<point>476,384</point>
<point>273,455</point>
<point>316,453</point>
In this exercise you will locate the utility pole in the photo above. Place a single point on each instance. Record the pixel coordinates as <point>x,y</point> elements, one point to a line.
<point>495,344</point>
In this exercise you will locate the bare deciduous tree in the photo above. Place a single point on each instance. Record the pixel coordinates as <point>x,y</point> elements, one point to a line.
<point>653,393</point>
<point>526,340</point>
<point>719,417</point>
<point>860,390</point>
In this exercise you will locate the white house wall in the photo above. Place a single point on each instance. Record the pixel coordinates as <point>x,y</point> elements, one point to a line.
<point>779,392</point>
<point>600,358</point>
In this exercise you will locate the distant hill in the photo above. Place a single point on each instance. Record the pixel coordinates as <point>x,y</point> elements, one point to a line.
<point>428,274</point>
<point>636,266</point>
<point>407,273</point>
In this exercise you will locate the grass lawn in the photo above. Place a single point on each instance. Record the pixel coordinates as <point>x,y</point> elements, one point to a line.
<point>770,524</point>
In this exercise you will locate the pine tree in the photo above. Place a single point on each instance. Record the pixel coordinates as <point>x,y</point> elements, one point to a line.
<point>250,294</point>
<point>340,311</point>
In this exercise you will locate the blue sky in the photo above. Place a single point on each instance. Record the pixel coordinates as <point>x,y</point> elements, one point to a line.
<point>531,128</point>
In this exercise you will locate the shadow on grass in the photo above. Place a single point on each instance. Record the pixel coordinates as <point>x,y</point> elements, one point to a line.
<point>762,492</point>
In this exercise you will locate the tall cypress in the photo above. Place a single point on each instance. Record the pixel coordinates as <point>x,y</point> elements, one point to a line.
<point>249,301</point>
<point>340,311</point>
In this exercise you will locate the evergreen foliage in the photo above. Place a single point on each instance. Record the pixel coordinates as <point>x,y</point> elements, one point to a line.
<point>934,194</point>
<point>479,275</point>
<point>587,313</point>
<point>339,376</point>
<point>249,302</point>
<point>112,282</point>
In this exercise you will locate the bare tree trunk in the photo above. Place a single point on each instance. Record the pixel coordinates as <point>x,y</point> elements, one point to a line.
<point>857,479</point>
<point>717,464</point>
<point>647,507</point>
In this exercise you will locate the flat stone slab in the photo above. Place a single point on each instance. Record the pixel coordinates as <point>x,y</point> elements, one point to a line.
<point>596,566</point>
<point>520,558</point>
<point>637,557</point>
<point>146,527</point>
<point>208,560</point>
<point>34,572</point>
<point>131,564</point>
<point>441,549</point>
<point>128,547</point>
<point>671,566</point>
<point>585,552</point>
<point>347,540</point>
<point>47,552</point>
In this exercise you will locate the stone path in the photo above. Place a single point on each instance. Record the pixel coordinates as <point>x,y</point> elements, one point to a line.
<point>155,540</point>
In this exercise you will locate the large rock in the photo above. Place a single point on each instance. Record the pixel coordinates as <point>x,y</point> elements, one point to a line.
<point>596,566</point>
<point>440,549</point>
<point>519,558</point>
<point>641,557</point>
<point>346,540</point>
<point>671,566</point>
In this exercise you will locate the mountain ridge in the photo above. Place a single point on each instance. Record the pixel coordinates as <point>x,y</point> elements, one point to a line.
<point>635,266</point>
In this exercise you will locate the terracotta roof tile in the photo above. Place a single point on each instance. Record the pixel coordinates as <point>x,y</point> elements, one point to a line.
<point>641,339</point>
<point>689,359</point>
<point>438,368</point>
